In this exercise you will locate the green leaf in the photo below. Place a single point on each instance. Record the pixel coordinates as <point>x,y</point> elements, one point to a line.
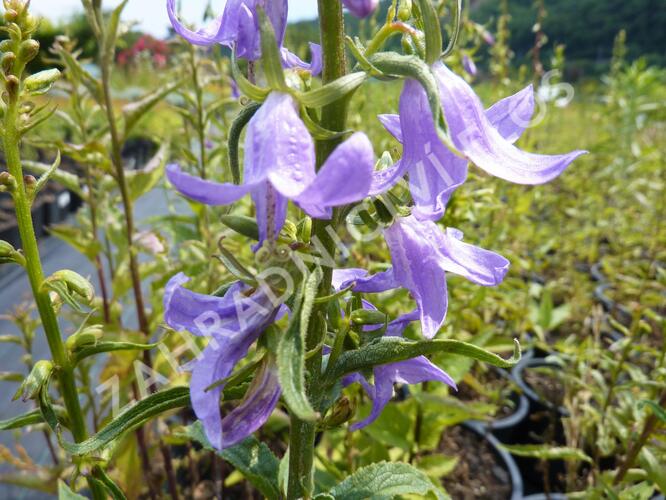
<point>77,239</point>
<point>432,30</point>
<point>107,483</point>
<point>111,35</point>
<point>333,91</point>
<point>457,24</point>
<point>30,418</point>
<point>70,181</point>
<point>437,465</point>
<point>253,459</point>
<point>137,415</point>
<point>545,452</point>
<point>11,377</point>
<point>384,480</point>
<point>248,88</point>
<point>65,493</point>
<point>291,351</point>
<point>659,412</point>
<point>270,53</point>
<point>44,178</point>
<point>392,349</point>
<point>654,468</point>
<point>145,179</point>
<point>101,347</point>
<point>242,224</point>
<point>134,111</point>
<point>235,131</point>
<point>234,266</point>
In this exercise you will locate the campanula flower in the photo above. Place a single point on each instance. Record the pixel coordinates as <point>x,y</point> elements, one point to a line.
<point>469,65</point>
<point>411,371</point>
<point>484,138</point>
<point>361,8</point>
<point>421,255</point>
<point>280,166</point>
<point>232,323</point>
<point>238,28</point>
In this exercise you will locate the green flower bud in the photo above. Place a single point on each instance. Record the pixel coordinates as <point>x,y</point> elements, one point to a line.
<point>87,336</point>
<point>31,385</point>
<point>8,62</point>
<point>29,50</point>
<point>12,86</point>
<point>41,82</point>
<point>7,182</point>
<point>70,287</point>
<point>9,254</point>
<point>367,317</point>
<point>342,412</point>
<point>242,224</point>
<point>405,10</point>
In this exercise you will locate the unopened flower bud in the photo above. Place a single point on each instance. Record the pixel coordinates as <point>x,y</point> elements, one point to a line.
<point>405,10</point>
<point>29,50</point>
<point>7,181</point>
<point>8,62</point>
<point>32,384</point>
<point>87,336</point>
<point>41,82</point>
<point>342,412</point>
<point>29,181</point>
<point>367,317</point>
<point>9,254</point>
<point>12,86</point>
<point>6,45</point>
<point>10,15</point>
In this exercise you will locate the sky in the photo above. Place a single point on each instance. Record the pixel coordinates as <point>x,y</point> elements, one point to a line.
<point>152,15</point>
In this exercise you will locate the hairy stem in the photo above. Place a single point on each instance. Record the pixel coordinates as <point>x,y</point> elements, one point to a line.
<point>65,372</point>
<point>333,117</point>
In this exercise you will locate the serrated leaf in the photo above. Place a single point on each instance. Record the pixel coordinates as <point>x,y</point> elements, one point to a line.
<point>385,481</point>
<point>545,452</point>
<point>252,458</point>
<point>291,351</point>
<point>392,349</point>
<point>143,411</point>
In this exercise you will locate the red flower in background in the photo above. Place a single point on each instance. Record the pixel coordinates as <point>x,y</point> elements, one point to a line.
<point>157,50</point>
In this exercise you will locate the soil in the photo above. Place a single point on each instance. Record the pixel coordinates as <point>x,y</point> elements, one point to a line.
<point>548,386</point>
<point>496,384</point>
<point>479,474</point>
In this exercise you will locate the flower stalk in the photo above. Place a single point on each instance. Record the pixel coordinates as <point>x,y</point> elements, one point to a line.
<point>333,117</point>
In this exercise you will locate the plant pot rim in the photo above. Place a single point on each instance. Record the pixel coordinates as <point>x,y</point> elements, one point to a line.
<point>504,457</point>
<point>517,374</point>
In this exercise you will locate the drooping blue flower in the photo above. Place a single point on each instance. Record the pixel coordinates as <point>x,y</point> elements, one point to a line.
<point>485,138</point>
<point>280,166</point>
<point>238,28</point>
<point>410,371</point>
<point>232,323</point>
<point>421,255</point>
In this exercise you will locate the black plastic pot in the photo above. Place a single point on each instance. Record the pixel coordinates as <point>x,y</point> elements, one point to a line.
<point>505,428</point>
<point>504,458</point>
<point>39,216</point>
<point>9,232</point>
<point>543,424</point>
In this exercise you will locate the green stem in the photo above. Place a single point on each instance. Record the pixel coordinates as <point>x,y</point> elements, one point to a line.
<point>65,370</point>
<point>333,117</point>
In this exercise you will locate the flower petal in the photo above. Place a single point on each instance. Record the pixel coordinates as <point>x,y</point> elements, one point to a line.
<point>257,405</point>
<point>361,8</point>
<point>291,60</point>
<point>382,394</point>
<point>478,265</point>
<point>343,277</point>
<point>374,283</point>
<point>216,363</point>
<point>203,191</point>
<point>512,115</point>
<point>279,146</point>
<point>473,134</point>
<point>435,172</point>
<point>217,31</point>
<point>345,177</point>
<point>392,125</point>
<point>191,311</point>
<point>271,211</point>
<point>418,268</point>
<point>413,371</point>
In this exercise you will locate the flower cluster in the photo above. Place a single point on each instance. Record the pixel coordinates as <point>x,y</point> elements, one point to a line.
<point>279,165</point>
